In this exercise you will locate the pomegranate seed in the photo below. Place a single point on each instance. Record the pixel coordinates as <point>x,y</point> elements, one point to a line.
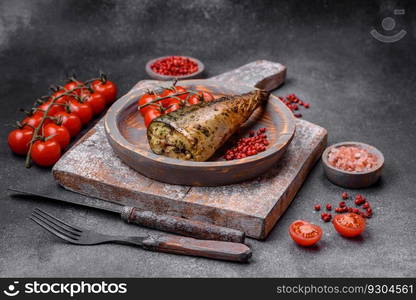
<point>317,207</point>
<point>328,206</point>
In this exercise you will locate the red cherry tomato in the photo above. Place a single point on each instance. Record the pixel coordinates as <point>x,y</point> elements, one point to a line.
<point>193,99</point>
<point>168,101</point>
<point>106,88</point>
<point>207,97</point>
<point>46,153</point>
<point>349,225</point>
<point>146,98</point>
<point>55,108</point>
<point>19,139</point>
<point>180,89</point>
<point>172,107</point>
<point>59,133</point>
<point>74,86</point>
<point>304,233</point>
<point>34,121</point>
<point>70,121</point>
<point>82,110</point>
<point>150,116</point>
<point>59,99</point>
<point>95,100</point>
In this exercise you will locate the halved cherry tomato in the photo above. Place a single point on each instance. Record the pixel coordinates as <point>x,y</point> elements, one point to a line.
<point>106,88</point>
<point>19,139</point>
<point>146,98</point>
<point>59,133</point>
<point>95,100</point>
<point>349,225</point>
<point>70,121</point>
<point>172,108</point>
<point>82,110</point>
<point>46,153</point>
<point>304,233</point>
<point>74,86</point>
<point>150,116</point>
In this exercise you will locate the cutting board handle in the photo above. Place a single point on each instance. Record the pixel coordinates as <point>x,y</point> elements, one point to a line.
<point>188,246</point>
<point>267,76</point>
<point>181,226</point>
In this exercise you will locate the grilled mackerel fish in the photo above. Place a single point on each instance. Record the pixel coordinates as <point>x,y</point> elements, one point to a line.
<point>195,132</point>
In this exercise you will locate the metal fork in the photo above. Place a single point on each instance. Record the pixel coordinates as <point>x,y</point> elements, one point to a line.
<point>162,243</point>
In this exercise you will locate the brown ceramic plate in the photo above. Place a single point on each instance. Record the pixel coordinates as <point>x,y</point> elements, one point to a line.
<point>126,133</point>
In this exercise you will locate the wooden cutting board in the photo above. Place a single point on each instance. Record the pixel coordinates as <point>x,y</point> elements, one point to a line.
<point>91,168</point>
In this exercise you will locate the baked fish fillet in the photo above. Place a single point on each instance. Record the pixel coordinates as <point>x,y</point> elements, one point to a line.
<point>195,132</point>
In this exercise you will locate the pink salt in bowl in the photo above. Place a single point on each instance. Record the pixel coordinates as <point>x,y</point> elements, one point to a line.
<point>353,179</point>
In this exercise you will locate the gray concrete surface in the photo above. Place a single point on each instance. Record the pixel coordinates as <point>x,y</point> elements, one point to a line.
<point>359,89</point>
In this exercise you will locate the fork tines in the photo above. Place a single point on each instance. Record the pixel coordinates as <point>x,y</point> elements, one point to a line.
<point>69,233</point>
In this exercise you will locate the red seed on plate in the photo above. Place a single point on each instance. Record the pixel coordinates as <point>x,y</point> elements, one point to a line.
<point>317,207</point>
<point>328,206</point>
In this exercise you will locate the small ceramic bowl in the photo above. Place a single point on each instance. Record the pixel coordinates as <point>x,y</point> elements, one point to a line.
<point>158,76</point>
<point>353,179</point>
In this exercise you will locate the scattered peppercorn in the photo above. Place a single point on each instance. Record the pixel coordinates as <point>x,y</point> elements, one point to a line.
<point>342,204</point>
<point>328,206</point>
<point>294,103</point>
<point>344,196</point>
<point>317,207</point>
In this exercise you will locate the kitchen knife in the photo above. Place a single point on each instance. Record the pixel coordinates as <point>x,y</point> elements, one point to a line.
<point>163,222</point>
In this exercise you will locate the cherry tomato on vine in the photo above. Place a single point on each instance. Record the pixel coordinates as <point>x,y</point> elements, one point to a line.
<point>304,233</point>
<point>206,96</point>
<point>59,133</point>
<point>33,121</point>
<point>55,108</point>
<point>19,140</point>
<point>168,101</point>
<point>46,153</point>
<point>349,225</point>
<point>95,100</point>
<point>150,116</point>
<point>106,88</point>
<point>82,110</point>
<point>146,98</point>
<point>70,121</point>
<point>59,99</point>
<point>74,86</point>
<point>172,107</point>
<point>180,89</point>
<point>193,99</point>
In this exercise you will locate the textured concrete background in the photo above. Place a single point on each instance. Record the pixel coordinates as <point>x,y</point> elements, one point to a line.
<point>359,88</point>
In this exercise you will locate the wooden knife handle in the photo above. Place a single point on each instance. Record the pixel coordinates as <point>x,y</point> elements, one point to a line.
<point>189,246</point>
<point>182,226</point>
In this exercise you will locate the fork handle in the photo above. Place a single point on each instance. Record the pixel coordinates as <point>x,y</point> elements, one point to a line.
<point>206,248</point>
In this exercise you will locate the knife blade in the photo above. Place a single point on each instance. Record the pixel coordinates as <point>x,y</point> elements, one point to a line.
<point>163,222</point>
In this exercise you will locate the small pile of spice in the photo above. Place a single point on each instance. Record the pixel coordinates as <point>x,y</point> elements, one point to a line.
<point>352,159</point>
<point>174,66</point>
<point>294,103</point>
<point>359,200</point>
<point>255,143</point>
